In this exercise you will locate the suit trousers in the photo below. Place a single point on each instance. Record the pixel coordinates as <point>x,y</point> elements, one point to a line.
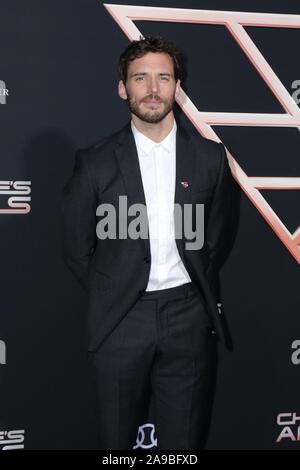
<point>163,349</point>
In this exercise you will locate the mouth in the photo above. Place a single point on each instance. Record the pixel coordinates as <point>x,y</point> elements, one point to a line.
<point>152,102</point>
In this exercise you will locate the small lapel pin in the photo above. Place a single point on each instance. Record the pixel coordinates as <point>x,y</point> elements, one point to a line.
<point>185,184</point>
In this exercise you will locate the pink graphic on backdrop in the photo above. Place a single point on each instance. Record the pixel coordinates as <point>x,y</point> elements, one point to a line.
<point>125,15</point>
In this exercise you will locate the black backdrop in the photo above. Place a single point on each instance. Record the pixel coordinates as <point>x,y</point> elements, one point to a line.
<point>59,64</point>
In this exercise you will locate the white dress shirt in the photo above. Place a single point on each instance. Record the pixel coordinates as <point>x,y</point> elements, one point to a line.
<point>158,167</point>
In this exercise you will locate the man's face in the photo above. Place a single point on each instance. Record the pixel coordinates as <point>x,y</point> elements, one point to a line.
<point>150,88</point>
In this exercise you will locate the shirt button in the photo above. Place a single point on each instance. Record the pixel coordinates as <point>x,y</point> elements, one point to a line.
<point>147,259</point>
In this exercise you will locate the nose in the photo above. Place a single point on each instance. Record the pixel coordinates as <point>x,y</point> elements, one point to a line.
<point>153,85</point>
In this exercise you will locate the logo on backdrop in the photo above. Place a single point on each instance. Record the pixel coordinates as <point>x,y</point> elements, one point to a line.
<point>3,92</point>
<point>290,427</point>
<point>2,352</point>
<point>295,357</point>
<point>234,21</point>
<point>12,440</point>
<point>15,197</point>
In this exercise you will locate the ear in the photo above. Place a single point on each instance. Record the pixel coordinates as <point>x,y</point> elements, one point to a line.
<point>122,90</point>
<point>177,89</point>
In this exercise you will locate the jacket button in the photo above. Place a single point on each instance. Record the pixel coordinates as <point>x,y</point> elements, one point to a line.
<point>147,259</point>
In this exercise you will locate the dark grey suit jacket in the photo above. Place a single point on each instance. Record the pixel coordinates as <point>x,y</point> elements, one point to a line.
<point>115,272</point>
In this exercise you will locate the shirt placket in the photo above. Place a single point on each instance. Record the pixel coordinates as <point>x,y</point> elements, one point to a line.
<point>161,214</point>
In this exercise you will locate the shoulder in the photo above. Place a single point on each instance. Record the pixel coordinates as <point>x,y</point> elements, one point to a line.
<point>211,151</point>
<point>203,142</point>
<point>102,147</point>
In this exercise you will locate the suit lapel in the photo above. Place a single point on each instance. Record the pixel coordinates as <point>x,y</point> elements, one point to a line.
<point>185,163</point>
<point>127,157</point>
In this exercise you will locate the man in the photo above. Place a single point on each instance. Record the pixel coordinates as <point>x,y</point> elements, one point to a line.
<point>153,319</point>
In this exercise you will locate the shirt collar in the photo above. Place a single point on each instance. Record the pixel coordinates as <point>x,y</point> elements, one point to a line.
<point>147,145</point>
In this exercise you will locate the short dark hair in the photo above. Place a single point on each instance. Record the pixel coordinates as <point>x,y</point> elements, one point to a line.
<point>139,48</point>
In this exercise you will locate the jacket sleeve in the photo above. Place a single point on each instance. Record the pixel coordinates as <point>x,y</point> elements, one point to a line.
<point>219,224</point>
<point>79,219</point>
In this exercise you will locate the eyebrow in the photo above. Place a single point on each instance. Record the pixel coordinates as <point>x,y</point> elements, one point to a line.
<point>145,73</point>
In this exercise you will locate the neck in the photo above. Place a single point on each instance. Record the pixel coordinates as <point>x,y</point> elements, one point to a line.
<point>156,132</point>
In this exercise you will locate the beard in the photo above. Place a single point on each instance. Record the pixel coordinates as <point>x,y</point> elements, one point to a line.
<point>152,116</point>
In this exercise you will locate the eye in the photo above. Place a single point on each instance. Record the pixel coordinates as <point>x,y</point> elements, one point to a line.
<point>137,79</point>
<point>164,78</point>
